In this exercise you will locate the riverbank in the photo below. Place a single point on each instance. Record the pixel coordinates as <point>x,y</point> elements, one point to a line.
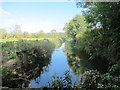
<point>31,58</point>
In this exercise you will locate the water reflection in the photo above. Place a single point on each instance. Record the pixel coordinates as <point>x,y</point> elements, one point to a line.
<point>36,71</point>
<point>57,66</point>
<point>79,64</point>
<point>29,66</point>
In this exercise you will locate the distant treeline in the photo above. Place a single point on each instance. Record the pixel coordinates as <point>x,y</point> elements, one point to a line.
<point>17,33</point>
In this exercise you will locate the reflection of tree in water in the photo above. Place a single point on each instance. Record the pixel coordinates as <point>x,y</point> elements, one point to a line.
<point>23,74</point>
<point>31,63</point>
<point>76,67</point>
<point>77,60</point>
<point>81,63</point>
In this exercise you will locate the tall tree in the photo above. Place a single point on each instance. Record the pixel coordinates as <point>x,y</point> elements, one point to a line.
<point>106,38</point>
<point>75,30</point>
<point>16,30</point>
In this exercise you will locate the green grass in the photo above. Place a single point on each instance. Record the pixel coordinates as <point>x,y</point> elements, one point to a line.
<point>17,39</point>
<point>9,46</point>
<point>54,40</point>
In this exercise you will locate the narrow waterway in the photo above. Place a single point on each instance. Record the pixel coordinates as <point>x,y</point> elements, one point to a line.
<point>57,67</point>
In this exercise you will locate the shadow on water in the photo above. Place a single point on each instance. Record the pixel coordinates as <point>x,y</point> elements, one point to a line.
<point>79,64</point>
<point>23,71</point>
<point>31,62</point>
<point>82,63</point>
<point>58,66</point>
<point>35,71</point>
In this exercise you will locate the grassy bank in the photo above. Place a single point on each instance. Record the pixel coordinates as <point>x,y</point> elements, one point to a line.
<point>31,57</point>
<point>9,46</point>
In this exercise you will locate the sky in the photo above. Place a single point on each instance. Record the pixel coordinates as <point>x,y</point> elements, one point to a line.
<point>36,16</point>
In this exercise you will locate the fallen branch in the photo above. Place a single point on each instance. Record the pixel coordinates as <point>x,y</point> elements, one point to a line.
<point>21,79</point>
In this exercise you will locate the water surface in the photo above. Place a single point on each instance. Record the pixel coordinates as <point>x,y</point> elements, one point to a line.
<point>57,66</point>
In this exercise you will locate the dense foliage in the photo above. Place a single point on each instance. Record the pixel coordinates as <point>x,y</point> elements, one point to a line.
<point>92,44</point>
<point>101,38</point>
<point>98,41</point>
<point>31,57</point>
<point>74,30</point>
<point>94,80</point>
<point>10,49</point>
<point>89,80</point>
<point>61,82</point>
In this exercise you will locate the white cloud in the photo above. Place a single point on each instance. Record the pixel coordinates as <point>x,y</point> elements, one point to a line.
<point>4,12</point>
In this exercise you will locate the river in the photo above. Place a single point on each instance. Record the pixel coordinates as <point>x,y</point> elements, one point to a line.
<point>58,66</point>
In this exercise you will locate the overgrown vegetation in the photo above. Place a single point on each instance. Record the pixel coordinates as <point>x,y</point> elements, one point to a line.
<point>31,57</point>
<point>92,43</point>
<point>96,35</point>
<point>89,80</point>
<point>61,82</point>
<point>10,49</point>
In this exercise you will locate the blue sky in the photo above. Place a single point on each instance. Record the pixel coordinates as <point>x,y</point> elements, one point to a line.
<point>36,16</point>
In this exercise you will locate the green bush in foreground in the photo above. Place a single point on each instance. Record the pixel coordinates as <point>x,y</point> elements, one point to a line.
<point>59,82</point>
<point>93,79</point>
<point>89,80</point>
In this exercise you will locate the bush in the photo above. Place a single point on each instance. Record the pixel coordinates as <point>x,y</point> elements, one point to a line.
<point>62,82</point>
<point>31,57</point>
<point>94,80</point>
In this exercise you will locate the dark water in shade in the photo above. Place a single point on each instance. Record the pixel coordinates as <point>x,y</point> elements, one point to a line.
<point>57,66</point>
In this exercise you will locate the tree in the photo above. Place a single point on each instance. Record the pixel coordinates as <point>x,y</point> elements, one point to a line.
<point>75,29</point>
<point>53,31</point>
<point>41,34</point>
<point>104,42</point>
<point>41,31</point>
<point>25,34</point>
<point>16,30</point>
<point>3,33</point>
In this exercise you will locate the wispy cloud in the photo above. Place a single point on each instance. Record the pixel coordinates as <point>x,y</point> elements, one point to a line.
<point>4,12</point>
